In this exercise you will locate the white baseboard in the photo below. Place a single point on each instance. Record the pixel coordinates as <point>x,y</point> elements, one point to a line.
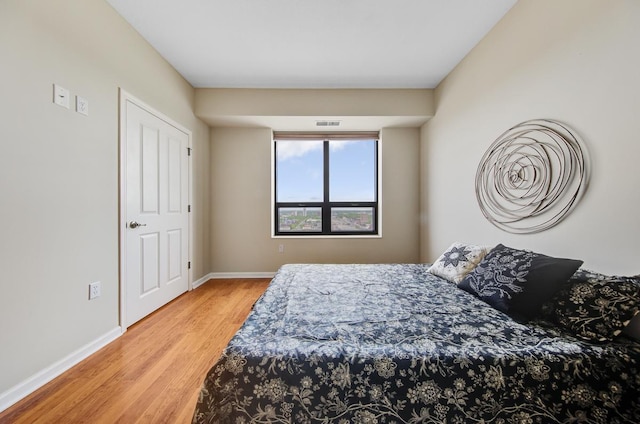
<point>219,275</point>
<point>200,282</point>
<point>31,384</point>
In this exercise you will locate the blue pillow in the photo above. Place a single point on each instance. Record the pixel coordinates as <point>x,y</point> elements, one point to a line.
<point>517,281</point>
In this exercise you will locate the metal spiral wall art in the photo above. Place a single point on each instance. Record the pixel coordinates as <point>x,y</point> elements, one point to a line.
<point>532,176</point>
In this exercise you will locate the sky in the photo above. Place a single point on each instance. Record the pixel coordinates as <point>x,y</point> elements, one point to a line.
<point>352,171</point>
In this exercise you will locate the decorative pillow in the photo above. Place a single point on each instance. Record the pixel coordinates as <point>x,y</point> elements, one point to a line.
<point>457,261</point>
<point>516,281</point>
<point>597,307</point>
<point>633,328</point>
<point>547,312</point>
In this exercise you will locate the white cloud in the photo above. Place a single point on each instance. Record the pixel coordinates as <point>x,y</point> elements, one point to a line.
<point>293,149</point>
<point>297,148</point>
<point>336,145</point>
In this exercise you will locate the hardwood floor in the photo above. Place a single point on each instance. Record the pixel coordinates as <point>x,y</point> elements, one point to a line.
<point>153,372</point>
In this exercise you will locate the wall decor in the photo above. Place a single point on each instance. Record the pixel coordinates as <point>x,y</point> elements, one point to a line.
<point>532,176</point>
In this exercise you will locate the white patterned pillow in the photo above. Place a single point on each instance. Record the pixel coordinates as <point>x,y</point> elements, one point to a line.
<point>458,260</point>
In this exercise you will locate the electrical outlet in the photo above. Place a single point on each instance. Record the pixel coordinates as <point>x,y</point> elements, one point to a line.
<point>281,248</point>
<point>95,290</point>
<point>82,105</point>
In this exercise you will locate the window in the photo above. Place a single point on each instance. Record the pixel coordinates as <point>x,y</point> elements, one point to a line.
<point>326,184</point>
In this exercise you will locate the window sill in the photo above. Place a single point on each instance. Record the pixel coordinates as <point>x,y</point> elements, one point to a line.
<point>346,236</point>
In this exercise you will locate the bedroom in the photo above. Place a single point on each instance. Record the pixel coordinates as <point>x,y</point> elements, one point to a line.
<point>576,62</point>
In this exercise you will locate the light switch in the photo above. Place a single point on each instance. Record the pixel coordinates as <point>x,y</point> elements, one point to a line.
<point>82,105</point>
<point>61,96</point>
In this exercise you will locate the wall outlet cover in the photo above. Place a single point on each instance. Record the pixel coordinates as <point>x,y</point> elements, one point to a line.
<point>61,96</point>
<point>82,105</point>
<point>95,290</point>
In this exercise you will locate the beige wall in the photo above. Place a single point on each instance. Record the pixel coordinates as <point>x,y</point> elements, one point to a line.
<point>241,207</point>
<point>576,61</point>
<point>59,173</point>
<point>297,109</point>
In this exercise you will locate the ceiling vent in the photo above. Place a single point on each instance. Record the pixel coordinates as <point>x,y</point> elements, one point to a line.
<point>327,123</point>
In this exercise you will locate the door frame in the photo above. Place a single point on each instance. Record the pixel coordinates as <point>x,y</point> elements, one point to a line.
<point>122,220</point>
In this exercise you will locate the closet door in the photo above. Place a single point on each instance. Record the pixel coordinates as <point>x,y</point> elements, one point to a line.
<point>156,217</point>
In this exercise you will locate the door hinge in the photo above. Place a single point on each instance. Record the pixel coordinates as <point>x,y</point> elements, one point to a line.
<point>188,151</point>
<point>189,265</point>
<point>189,208</point>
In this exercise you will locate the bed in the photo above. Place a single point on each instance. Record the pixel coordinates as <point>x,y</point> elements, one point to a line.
<point>394,343</point>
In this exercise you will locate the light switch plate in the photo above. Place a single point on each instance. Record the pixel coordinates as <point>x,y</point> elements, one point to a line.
<point>82,105</point>
<point>61,96</point>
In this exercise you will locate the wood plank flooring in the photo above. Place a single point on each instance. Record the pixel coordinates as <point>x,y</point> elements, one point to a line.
<point>153,372</point>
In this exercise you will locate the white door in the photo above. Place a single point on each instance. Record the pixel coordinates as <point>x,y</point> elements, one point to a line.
<point>155,216</point>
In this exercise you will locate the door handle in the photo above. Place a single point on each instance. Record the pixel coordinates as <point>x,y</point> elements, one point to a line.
<point>134,224</point>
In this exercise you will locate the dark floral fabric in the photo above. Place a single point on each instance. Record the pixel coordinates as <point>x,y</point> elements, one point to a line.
<point>441,355</point>
<point>517,281</point>
<point>597,307</point>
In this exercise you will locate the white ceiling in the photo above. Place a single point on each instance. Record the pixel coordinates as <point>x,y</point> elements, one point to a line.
<point>313,43</point>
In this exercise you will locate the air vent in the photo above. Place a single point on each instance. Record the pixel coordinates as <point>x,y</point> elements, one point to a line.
<point>327,123</point>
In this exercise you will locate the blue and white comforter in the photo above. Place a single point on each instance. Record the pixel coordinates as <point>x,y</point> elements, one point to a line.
<point>395,344</point>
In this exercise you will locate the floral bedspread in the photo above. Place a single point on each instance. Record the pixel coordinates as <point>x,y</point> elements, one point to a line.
<point>396,344</point>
